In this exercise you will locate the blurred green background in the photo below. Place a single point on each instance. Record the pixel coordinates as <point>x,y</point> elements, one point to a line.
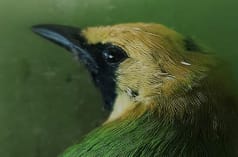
<point>47,101</point>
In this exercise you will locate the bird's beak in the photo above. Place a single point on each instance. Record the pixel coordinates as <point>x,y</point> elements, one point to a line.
<point>71,39</point>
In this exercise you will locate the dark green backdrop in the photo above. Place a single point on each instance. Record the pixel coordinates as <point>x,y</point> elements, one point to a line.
<point>47,101</point>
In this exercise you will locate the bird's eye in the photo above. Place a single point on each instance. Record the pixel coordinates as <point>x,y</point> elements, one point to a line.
<point>114,55</point>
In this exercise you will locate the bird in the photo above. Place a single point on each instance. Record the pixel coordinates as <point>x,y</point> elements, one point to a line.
<point>167,95</point>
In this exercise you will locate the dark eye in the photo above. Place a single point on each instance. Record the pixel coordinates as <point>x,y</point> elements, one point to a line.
<point>114,55</point>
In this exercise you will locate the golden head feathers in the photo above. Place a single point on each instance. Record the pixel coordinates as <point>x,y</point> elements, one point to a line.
<point>161,63</point>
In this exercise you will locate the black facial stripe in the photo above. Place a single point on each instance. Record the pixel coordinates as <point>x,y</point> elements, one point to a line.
<point>105,77</point>
<point>101,60</point>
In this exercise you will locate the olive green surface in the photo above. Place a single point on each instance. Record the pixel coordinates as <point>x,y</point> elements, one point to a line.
<point>47,100</point>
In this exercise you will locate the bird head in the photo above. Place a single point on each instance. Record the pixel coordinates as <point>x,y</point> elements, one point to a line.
<point>135,65</point>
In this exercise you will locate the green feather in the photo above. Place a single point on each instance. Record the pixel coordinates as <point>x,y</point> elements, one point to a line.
<point>149,136</point>
<point>204,130</point>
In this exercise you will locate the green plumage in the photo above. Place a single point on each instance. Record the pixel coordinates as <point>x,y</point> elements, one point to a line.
<point>153,134</point>
<point>146,136</point>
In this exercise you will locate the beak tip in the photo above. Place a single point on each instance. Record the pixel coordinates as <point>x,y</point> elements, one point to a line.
<point>38,28</point>
<point>64,36</point>
<point>34,29</point>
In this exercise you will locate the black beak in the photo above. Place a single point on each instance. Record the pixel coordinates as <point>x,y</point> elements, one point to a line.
<point>71,39</point>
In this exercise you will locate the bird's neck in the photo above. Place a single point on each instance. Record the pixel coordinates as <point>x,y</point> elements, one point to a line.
<point>200,128</point>
<point>150,135</point>
<point>201,125</point>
